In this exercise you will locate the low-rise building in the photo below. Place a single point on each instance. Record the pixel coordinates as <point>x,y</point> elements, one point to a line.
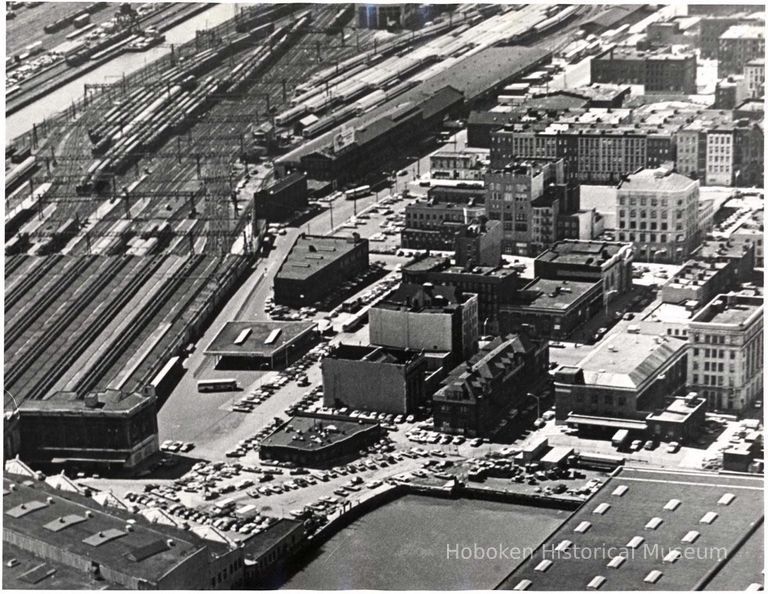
<point>624,378</point>
<point>281,198</point>
<point>493,285</point>
<point>658,212</point>
<point>552,309</point>
<point>69,537</point>
<point>477,394</point>
<point>751,231</point>
<point>315,264</point>
<point>467,164</point>
<point>428,317</point>
<point>681,420</point>
<point>716,267</point>
<point>110,431</point>
<point>374,378</point>
<point>662,70</point>
<point>318,442</point>
<point>725,360</point>
<point>606,261</point>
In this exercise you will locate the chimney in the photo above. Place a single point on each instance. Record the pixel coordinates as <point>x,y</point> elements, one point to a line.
<point>91,400</point>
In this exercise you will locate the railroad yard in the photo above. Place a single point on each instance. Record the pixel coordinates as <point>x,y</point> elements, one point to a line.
<point>134,237</point>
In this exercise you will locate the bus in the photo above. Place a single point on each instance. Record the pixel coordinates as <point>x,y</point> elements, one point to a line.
<point>357,192</point>
<point>217,385</point>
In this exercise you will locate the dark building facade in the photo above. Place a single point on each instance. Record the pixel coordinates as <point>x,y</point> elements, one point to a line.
<point>493,286</point>
<point>552,309</point>
<point>658,71</point>
<point>107,431</point>
<point>477,394</point>
<point>281,198</point>
<point>316,264</point>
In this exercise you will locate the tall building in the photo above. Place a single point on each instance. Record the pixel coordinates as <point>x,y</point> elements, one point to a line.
<point>426,317</point>
<point>725,341</point>
<point>477,394</point>
<point>511,192</point>
<point>658,212</point>
<point>738,45</point>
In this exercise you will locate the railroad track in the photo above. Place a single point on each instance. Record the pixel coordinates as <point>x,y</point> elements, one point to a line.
<point>92,329</point>
<point>33,277</point>
<point>30,313</point>
<point>91,379</point>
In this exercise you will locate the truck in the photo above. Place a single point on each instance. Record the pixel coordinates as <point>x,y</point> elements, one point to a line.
<point>619,438</point>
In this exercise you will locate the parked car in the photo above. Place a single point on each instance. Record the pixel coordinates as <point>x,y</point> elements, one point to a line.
<point>673,447</point>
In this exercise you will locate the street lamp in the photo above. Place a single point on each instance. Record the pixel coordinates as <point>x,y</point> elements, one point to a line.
<point>538,404</point>
<point>607,298</point>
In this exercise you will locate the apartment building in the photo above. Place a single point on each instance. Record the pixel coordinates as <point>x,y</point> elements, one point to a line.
<point>725,354</point>
<point>738,45</point>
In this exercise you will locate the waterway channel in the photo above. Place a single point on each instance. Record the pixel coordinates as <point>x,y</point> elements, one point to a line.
<point>409,544</point>
<point>21,121</point>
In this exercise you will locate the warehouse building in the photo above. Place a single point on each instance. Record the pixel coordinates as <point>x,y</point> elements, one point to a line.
<point>658,212</point>
<point>652,529</point>
<point>261,345</point>
<point>53,539</point>
<point>659,70</point>
<point>316,264</point>
<point>110,431</point>
<point>374,378</point>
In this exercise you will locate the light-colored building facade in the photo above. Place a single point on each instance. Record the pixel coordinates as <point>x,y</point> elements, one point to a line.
<point>725,358</point>
<point>754,78</point>
<point>658,213</point>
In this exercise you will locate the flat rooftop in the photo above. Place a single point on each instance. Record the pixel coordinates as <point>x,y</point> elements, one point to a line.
<point>656,180</point>
<point>417,298</point>
<point>544,293</point>
<point>711,248</point>
<point>632,53</point>
<point>310,433</point>
<point>373,354</point>
<point>677,411</point>
<point>442,264</point>
<point>256,339</point>
<point>645,494</point>
<point>107,401</point>
<point>626,360</point>
<point>312,253</point>
<point>730,310</point>
<point>744,32</point>
<point>584,253</point>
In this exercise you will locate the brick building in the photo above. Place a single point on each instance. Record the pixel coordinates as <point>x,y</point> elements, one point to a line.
<point>658,70</point>
<point>477,394</point>
<point>739,45</point>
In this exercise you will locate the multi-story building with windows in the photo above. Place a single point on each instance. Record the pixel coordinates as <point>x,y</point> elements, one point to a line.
<point>738,45</point>
<point>658,212</point>
<point>432,225</point>
<point>711,27</point>
<point>511,193</point>
<point>754,78</point>
<point>477,394</point>
<point>659,70</point>
<point>725,358</point>
<point>468,164</point>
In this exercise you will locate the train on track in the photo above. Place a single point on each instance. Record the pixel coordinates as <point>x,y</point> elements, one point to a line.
<point>148,116</point>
